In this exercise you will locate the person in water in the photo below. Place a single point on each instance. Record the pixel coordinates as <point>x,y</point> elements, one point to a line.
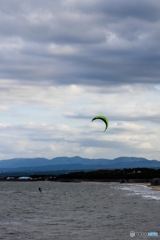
<point>40,189</point>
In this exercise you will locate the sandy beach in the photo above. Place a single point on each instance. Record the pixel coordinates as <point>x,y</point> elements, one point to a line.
<point>157,188</point>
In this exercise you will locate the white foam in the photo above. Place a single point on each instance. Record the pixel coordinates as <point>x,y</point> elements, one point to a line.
<point>141,190</point>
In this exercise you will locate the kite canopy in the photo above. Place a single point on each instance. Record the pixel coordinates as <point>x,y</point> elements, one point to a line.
<point>104,119</point>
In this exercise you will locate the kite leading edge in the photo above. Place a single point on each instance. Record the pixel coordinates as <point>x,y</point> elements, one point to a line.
<point>104,119</point>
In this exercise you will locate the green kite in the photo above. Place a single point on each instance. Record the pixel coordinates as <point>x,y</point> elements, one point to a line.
<point>104,119</point>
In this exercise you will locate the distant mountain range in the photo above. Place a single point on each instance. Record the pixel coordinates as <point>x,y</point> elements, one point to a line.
<point>58,165</point>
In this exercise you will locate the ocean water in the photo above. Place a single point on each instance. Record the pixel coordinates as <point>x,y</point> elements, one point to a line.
<point>77,211</point>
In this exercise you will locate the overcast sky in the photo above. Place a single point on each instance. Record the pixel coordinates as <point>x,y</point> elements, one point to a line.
<point>64,61</point>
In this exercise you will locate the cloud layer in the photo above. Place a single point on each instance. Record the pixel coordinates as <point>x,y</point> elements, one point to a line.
<point>62,62</point>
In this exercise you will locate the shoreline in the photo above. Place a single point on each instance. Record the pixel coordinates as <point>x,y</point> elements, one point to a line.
<point>156,188</point>
<point>146,184</point>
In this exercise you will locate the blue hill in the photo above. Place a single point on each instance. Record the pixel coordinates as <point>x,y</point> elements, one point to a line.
<point>76,163</point>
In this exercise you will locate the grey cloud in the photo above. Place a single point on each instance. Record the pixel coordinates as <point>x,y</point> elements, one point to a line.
<point>116,42</point>
<point>153,118</point>
<point>105,144</point>
<point>143,9</point>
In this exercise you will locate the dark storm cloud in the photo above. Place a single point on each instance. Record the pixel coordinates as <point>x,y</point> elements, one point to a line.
<point>89,43</point>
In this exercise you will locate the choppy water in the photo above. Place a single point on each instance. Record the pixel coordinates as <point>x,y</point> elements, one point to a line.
<point>76,211</point>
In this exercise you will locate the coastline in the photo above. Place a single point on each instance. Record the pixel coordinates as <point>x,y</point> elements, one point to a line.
<point>146,184</point>
<point>156,188</point>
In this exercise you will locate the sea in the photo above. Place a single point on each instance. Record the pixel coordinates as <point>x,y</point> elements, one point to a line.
<point>78,211</point>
